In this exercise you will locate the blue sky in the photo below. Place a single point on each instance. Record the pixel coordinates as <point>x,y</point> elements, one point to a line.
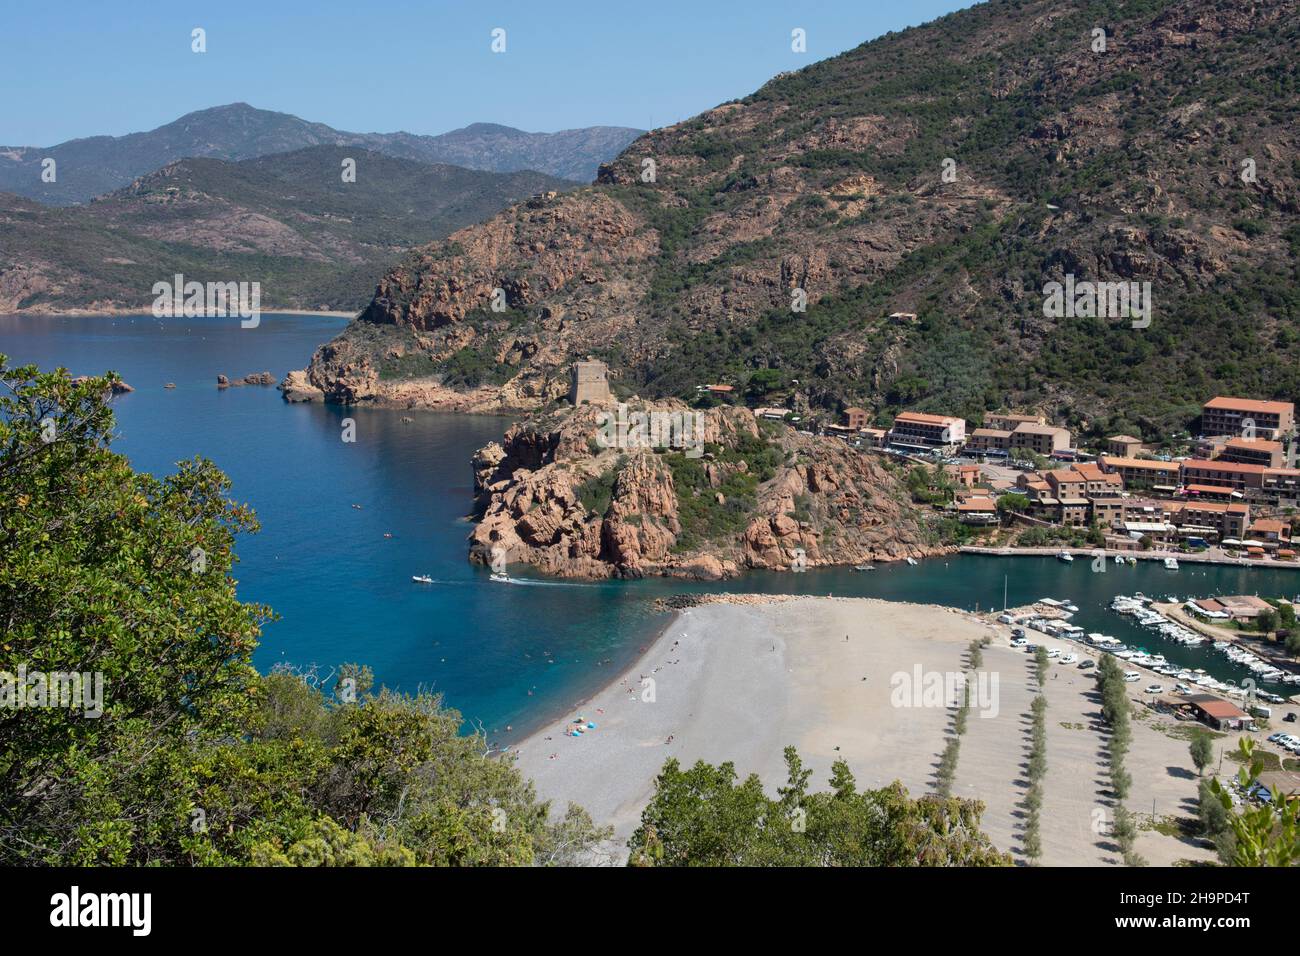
<point>86,67</point>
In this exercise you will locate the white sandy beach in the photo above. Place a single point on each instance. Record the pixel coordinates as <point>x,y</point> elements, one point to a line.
<point>740,682</point>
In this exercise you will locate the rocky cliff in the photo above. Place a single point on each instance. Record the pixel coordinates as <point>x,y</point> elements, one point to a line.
<point>948,172</point>
<point>557,494</point>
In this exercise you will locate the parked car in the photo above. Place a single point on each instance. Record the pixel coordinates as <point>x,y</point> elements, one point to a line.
<point>1131,676</point>
<point>1054,652</point>
<point>1069,658</point>
<point>1019,642</point>
<point>1290,717</point>
<point>1154,689</point>
<point>1017,632</point>
<point>1087,664</point>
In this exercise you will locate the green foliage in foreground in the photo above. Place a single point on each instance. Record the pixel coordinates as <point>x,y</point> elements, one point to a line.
<point>197,759</point>
<point>1264,834</point>
<point>703,817</point>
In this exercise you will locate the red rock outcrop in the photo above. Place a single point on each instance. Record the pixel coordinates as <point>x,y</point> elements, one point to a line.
<point>552,496</point>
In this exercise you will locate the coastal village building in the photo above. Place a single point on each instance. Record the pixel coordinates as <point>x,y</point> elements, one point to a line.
<point>772,414</point>
<point>1134,516</point>
<point>856,418</point>
<point>1222,474</point>
<point>977,510</point>
<point>989,441</point>
<point>1223,415</point>
<point>1285,782</point>
<point>1269,532</point>
<point>1141,473</point>
<point>967,476</point>
<point>589,382</point>
<point>918,430</point>
<point>1124,446</point>
<point>1098,483</point>
<point>1254,482</point>
<point>1210,492</point>
<point>1039,439</point>
<point>1066,483</point>
<point>1253,451</point>
<point>1219,713</point>
<point>1211,520</point>
<point>1281,482</point>
<point>874,437</point>
<point>1008,422</point>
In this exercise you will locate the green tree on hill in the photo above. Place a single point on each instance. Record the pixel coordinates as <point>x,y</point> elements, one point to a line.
<point>196,758</point>
<point>703,817</point>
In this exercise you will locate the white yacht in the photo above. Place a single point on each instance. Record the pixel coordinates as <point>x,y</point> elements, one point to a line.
<point>1064,556</point>
<point>1171,564</point>
<point>421,579</point>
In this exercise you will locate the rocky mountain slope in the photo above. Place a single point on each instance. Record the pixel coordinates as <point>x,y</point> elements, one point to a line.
<point>95,165</point>
<point>949,171</point>
<point>288,221</point>
<point>753,495</point>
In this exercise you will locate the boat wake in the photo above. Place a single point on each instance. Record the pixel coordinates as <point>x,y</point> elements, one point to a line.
<point>534,583</point>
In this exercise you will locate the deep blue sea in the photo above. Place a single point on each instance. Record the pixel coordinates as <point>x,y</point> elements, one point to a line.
<point>502,654</point>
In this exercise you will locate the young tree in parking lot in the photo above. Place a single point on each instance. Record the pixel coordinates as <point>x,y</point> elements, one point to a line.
<point>1202,750</point>
<point>1215,821</point>
<point>1293,643</point>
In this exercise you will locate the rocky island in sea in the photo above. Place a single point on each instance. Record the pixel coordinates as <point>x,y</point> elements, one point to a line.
<point>561,494</point>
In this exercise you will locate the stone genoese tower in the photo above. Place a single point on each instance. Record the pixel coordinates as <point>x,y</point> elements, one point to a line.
<point>590,383</point>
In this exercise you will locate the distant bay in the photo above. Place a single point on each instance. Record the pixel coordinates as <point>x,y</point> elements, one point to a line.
<point>503,654</point>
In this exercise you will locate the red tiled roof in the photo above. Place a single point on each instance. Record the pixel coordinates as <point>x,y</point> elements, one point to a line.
<point>1248,405</point>
<point>924,419</point>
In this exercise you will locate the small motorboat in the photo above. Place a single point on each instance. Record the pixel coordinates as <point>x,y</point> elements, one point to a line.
<point>1064,556</point>
<point>500,576</point>
<point>1171,564</point>
<point>911,561</point>
<point>864,567</point>
<point>421,579</point>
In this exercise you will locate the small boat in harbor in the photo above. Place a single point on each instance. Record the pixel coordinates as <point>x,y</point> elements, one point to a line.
<point>1171,564</point>
<point>1064,556</point>
<point>912,561</point>
<point>421,579</point>
<point>864,567</point>
<point>500,576</point>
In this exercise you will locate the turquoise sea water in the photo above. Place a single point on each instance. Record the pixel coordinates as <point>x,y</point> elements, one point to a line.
<point>503,654</point>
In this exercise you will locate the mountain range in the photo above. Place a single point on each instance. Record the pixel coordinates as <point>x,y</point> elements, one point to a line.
<point>90,167</point>
<point>920,192</point>
<point>288,221</point>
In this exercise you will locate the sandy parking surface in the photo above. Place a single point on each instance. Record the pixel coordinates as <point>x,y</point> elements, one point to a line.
<point>740,682</point>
